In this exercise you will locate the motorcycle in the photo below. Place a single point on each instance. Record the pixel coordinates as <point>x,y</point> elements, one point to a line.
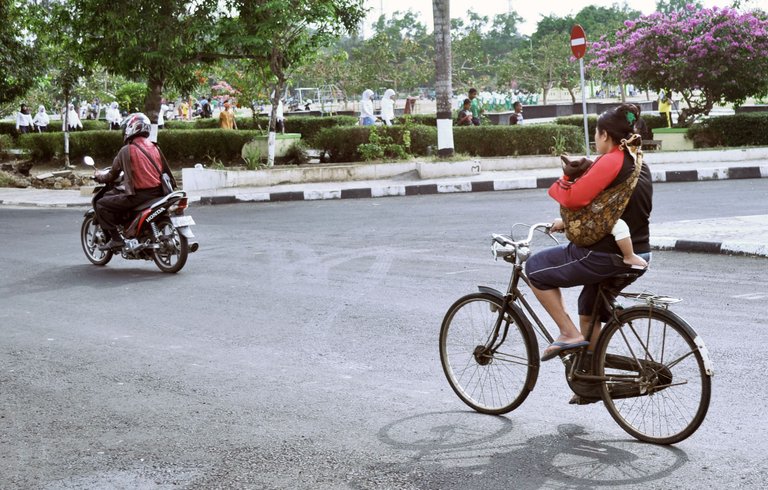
<point>156,230</point>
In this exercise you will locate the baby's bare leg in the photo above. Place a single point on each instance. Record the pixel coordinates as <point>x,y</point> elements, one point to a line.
<point>620,232</point>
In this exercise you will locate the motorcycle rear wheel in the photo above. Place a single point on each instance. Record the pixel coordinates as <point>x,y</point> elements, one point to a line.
<point>173,251</point>
<point>91,236</point>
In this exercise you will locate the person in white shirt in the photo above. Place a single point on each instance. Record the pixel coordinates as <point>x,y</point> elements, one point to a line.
<point>83,110</point>
<point>23,120</point>
<point>113,116</point>
<point>72,120</point>
<point>41,120</point>
<point>366,109</point>
<point>388,107</point>
<point>161,114</point>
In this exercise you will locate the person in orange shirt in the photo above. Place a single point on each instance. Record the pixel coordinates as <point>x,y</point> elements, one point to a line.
<point>227,117</point>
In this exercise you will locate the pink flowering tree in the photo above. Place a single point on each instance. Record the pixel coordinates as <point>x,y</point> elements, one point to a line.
<point>710,56</point>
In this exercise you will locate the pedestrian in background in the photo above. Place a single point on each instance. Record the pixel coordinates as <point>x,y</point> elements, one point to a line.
<point>517,117</point>
<point>113,116</point>
<point>227,117</point>
<point>665,106</point>
<point>388,107</point>
<point>23,120</point>
<point>41,120</point>
<point>366,108</point>
<point>161,114</point>
<point>72,120</point>
<point>465,114</point>
<point>476,106</point>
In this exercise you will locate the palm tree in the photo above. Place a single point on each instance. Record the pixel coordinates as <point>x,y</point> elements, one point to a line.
<point>441,10</point>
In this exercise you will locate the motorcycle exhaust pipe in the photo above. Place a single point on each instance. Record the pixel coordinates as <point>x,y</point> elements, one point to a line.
<point>194,246</point>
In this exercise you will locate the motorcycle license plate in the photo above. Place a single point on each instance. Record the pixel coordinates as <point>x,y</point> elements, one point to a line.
<point>179,221</point>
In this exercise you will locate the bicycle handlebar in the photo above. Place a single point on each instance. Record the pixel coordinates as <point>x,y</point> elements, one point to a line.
<point>501,242</point>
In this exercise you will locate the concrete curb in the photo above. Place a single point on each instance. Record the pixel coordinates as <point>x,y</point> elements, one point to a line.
<point>727,247</point>
<point>720,173</point>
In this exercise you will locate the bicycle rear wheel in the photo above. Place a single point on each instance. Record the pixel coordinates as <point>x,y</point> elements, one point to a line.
<point>659,389</point>
<point>496,380</point>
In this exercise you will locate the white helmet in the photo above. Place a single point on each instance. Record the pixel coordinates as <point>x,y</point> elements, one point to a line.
<point>136,124</point>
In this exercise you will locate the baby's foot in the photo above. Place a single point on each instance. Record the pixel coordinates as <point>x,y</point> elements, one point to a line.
<point>635,262</point>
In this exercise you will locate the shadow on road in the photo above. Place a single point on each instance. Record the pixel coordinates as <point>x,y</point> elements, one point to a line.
<point>83,275</point>
<point>457,450</point>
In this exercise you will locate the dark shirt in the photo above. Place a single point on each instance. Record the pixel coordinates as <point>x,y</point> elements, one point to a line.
<point>636,215</point>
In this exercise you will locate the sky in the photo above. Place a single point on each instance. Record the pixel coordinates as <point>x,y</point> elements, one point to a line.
<point>530,10</point>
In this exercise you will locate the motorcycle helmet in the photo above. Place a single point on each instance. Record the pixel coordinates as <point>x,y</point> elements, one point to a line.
<point>136,124</point>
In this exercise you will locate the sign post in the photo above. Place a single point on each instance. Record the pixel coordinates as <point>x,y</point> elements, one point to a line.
<point>579,49</point>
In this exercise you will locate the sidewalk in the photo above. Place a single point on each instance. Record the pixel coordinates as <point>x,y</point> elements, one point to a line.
<point>746,235</point>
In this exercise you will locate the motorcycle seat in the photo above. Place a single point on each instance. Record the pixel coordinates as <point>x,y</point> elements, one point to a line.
<point>159,200</point>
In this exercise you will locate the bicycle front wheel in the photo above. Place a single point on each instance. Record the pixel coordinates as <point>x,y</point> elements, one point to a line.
<point>492,377</point>
<point>658,389</point>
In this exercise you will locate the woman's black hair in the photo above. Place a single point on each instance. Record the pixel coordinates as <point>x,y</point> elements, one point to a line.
<point>619,122</point>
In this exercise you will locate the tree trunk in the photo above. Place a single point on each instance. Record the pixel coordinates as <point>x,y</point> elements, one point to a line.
<point>573,94</point>
<point>152,103</point>
<point>441,10</point>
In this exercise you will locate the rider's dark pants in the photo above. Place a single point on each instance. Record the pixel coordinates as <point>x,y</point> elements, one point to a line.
<point>112,207</point>
<point>569,265</point>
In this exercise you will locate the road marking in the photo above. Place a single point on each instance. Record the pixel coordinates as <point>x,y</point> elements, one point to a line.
<point>751,296</point>
<point>461,272</point>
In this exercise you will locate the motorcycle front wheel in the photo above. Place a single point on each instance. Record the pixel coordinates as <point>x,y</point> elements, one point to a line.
<point>173,248</point>
<point>91,236</point>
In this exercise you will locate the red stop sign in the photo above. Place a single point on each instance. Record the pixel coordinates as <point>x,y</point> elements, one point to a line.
<point>578,41</point>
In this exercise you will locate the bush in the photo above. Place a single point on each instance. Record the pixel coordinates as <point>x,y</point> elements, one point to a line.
<point>180,147</point>
<point>201,145</point>
<point>296,154</point>
<point>653,121</point>
<point>524,139</point>
<point>423,119</point>
<point>307,126</point>
<point>47,146</point>
<point>342,142</point>
<point>738,130</point>
<point>5,142</point>
<point>537,139</point>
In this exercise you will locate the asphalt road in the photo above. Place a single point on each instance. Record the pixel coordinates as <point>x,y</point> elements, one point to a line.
<point>298,350</point>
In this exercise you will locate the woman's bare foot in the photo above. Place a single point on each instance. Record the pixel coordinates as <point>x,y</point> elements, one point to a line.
<point>635,261</point>
<point>561,344</point>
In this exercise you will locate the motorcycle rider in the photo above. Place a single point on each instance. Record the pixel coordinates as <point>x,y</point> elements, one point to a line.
<point>142,164</point>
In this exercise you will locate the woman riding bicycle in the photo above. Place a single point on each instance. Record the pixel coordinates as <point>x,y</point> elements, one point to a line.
<point>570,265</point>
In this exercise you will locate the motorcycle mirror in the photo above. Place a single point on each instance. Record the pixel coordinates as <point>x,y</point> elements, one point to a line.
<point>89,161</point>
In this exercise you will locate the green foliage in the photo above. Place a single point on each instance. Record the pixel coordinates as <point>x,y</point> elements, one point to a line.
<point>296,154</point>
<point>5,142</point>
<point>9,127</point>
<point>651,120</point>
<point>189,146</point>
<point>130,96</point>
<point>342,142</point>
<point>19,57</point>
<point>526,139</point>
<point>736,130</point>
<point>252,156</point>
<point>181,147</point>
<point>48,146</point>
<point>383,146</point>
<point>307,126</point>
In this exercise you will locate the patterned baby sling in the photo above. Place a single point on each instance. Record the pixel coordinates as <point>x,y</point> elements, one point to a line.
<point>590,224</point>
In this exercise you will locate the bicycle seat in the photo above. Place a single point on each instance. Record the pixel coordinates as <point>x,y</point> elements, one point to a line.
<point>618,282</point>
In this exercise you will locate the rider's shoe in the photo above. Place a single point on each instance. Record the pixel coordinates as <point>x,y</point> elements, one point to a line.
<point>113,243</point>
<point>582,400</point>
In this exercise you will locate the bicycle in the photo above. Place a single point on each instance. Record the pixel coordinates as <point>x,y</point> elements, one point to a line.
<point>649,367</point>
